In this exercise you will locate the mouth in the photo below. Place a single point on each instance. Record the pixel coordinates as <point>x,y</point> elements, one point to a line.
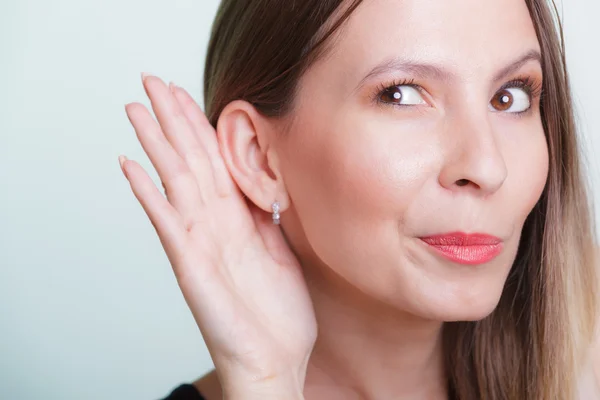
<point>463,248</point>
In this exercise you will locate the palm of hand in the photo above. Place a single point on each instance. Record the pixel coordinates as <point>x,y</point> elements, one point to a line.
<point>239,278</point>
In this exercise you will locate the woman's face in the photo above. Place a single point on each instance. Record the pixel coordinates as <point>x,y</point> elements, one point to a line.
<point>423,120</point>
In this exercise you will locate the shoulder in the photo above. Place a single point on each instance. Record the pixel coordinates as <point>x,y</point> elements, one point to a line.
<point>209,386</point>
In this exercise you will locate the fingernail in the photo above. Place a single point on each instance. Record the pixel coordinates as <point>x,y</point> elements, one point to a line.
<point>172,86</point>
<point>145,75</point>
<point>122,160</point>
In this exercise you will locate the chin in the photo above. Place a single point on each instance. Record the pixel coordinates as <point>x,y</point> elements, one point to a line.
<point>474,314</point>
<point>459,308</point>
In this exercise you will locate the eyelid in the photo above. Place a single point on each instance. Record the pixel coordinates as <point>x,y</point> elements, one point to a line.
<point>533,88</point>
<point>531,85</point>
<point>401,82</point>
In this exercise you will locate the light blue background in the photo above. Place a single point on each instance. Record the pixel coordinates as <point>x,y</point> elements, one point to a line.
<point>89,306</point>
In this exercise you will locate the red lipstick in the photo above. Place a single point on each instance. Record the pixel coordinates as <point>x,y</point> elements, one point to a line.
<point>463,248</point>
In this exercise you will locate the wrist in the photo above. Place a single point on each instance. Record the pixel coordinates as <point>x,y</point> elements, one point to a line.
<point>275,392</point>
<point>290,387</point>
<point>245,393</point>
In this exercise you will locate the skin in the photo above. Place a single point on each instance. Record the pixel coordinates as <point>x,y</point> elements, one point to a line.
<point>359,182</point>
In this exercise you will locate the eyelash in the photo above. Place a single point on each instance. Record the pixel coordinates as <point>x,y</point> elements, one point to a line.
<point>532,87</point>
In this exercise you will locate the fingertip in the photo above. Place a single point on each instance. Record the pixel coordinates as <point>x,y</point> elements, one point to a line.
<point>180,92</point>
<point>122,160</point>
<point>128,107</point>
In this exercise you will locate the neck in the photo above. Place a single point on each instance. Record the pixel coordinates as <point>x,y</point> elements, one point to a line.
<point>367,349</point>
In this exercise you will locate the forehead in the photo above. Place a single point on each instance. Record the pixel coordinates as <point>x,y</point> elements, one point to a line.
<point>470,38</point>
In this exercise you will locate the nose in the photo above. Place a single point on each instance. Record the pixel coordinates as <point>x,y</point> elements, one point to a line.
<point>473,159</point>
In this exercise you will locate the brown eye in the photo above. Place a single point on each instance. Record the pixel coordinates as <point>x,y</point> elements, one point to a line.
<point>391,95</point>
<point>511,100</point>
<point>502,100</point>
<point>401,95</point>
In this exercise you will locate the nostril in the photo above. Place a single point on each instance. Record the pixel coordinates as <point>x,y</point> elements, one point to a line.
<point>462,182</point>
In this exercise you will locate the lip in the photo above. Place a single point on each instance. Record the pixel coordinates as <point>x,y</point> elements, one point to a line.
<point>463,248</point>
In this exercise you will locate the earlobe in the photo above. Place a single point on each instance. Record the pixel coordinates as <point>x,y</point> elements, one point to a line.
<point>244,138</point>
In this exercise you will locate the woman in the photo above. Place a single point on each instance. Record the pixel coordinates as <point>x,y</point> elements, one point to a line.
<point>382,200</point>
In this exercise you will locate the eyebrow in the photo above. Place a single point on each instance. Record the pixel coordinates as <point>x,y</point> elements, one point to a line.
<point>432,71</point>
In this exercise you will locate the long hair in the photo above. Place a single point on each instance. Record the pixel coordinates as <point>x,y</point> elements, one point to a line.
<point>532,346</point>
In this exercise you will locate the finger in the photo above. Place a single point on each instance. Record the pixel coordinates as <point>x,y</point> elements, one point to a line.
<point>207,136</point>
<point>166,220</point>
<point>272,236</point>
<point>178,131</point>
<point>180,185</point>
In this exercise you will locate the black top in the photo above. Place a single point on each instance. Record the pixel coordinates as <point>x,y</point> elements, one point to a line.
<point>185,391</point>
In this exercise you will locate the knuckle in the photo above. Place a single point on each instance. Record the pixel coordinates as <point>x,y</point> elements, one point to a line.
<point>180,119</point>
<point>195,156</point>
<point>177,111</point>
<point>179,169</point>
<point>185,179</point>
<point>179,176</point>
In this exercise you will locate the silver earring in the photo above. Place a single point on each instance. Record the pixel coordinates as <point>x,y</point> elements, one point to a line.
<point>276,216</point>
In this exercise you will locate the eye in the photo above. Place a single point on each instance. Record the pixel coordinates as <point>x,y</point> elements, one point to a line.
<point>405,95</point>
<point>512,100</point>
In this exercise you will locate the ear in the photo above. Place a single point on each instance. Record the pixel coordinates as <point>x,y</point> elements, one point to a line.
<point>246,140</point>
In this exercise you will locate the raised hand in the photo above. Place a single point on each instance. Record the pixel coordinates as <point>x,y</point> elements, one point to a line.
<point>239,278</point>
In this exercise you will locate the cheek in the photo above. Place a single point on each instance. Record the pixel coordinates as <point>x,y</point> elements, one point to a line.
<point>527,162</point>
<point>353,183</point>
<point>376,173</point>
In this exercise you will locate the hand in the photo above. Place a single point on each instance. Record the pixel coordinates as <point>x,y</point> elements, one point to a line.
<point>242,283</point>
